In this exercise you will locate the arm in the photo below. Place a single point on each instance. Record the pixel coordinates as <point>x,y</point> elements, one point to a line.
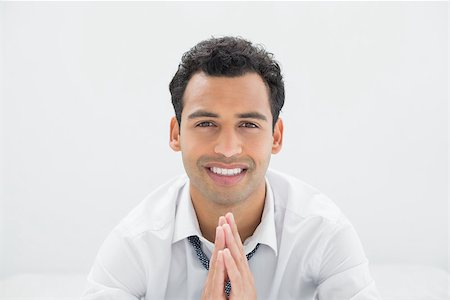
<point>344,271</point>
<point>117,273</point>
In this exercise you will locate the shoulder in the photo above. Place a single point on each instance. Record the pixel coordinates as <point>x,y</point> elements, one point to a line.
<point>156,213</point>
<point>300,200</point>
<point>310,223</point>
<point>142,240</point>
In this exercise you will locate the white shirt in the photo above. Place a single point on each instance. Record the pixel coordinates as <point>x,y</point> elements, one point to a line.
<point>308,249</point>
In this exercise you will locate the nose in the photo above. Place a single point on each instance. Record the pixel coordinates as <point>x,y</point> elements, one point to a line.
<point>228,143</point>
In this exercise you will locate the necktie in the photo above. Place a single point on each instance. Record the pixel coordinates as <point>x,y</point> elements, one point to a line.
<point>196,244</point>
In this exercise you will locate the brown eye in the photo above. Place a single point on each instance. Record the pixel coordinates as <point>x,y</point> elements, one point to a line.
<point>205,124</point>
<point>248,125</point>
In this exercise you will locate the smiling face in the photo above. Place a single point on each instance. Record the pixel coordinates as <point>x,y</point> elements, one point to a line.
<point>226,137</point>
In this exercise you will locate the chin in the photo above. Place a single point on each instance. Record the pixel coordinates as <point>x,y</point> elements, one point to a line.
<point>227,198</point>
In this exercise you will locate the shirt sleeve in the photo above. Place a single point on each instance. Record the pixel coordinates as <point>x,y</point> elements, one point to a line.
<point>344,270</point>
<point>117,273</point>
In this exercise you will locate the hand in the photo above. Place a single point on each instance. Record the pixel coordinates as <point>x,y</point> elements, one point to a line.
<point>228,261</point>
<point>215,282</point>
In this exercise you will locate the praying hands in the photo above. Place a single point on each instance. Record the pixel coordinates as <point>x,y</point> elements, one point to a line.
<point>228,262</point>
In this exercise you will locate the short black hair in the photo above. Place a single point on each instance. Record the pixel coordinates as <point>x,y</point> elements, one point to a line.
<point>231,57</point>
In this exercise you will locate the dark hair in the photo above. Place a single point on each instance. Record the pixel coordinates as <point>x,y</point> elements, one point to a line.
<point>228,56</point>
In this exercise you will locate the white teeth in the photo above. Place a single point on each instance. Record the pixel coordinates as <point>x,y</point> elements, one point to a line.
<point>226,172</point>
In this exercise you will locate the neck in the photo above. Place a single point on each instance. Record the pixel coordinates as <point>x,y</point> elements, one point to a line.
<point>247,213</point>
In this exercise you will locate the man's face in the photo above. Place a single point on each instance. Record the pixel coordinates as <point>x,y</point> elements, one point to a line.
<point>226,136</point>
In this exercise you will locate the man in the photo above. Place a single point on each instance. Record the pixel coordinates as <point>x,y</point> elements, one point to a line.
<point>231,228</point>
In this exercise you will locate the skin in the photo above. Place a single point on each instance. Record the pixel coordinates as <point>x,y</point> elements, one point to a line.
<point>227,122</point>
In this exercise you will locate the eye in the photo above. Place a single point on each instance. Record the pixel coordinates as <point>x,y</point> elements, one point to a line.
<point>205,124</point>
<point>248,125</point>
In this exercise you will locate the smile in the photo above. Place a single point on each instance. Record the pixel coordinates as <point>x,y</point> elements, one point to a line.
<point>226,172</point>
<point>226,176</point>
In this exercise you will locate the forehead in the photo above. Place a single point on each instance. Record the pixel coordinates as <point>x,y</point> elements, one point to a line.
<point>226,94</point>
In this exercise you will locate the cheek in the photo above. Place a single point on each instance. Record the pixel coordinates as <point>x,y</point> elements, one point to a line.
<point>193,146</point>
<point>187,143</point>
<point>262,142</point>
<point>260,148</point>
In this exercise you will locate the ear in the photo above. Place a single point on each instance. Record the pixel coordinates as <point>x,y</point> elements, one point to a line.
<point>277,136</point>
<point>174,142</point>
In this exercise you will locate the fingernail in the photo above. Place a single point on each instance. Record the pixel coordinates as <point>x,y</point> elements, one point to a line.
<point>232,217</point>
<point>226,227</point>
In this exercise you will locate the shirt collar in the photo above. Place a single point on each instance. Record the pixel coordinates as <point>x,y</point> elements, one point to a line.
<point>186,223</point>
<point>265,233</point>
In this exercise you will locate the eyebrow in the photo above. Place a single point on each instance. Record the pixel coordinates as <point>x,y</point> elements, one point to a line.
<point>202,114</point>
<point>249,115</point>
<point>252,115</point>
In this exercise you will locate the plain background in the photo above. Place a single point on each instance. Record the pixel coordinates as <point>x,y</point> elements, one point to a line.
<point>86,109</point>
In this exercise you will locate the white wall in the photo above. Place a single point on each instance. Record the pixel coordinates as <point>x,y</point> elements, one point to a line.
<point>86,110</point>
<point>2,211</point>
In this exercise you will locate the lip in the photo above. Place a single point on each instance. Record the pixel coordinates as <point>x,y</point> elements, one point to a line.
<point>226,180</point>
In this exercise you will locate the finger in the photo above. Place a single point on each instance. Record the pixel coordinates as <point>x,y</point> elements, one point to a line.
<point>231,221</point>
<point>237,254</point>
<point>222,220</point>
<point>219,244</point>
<point>219,276</point>
<point>233,272</point>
